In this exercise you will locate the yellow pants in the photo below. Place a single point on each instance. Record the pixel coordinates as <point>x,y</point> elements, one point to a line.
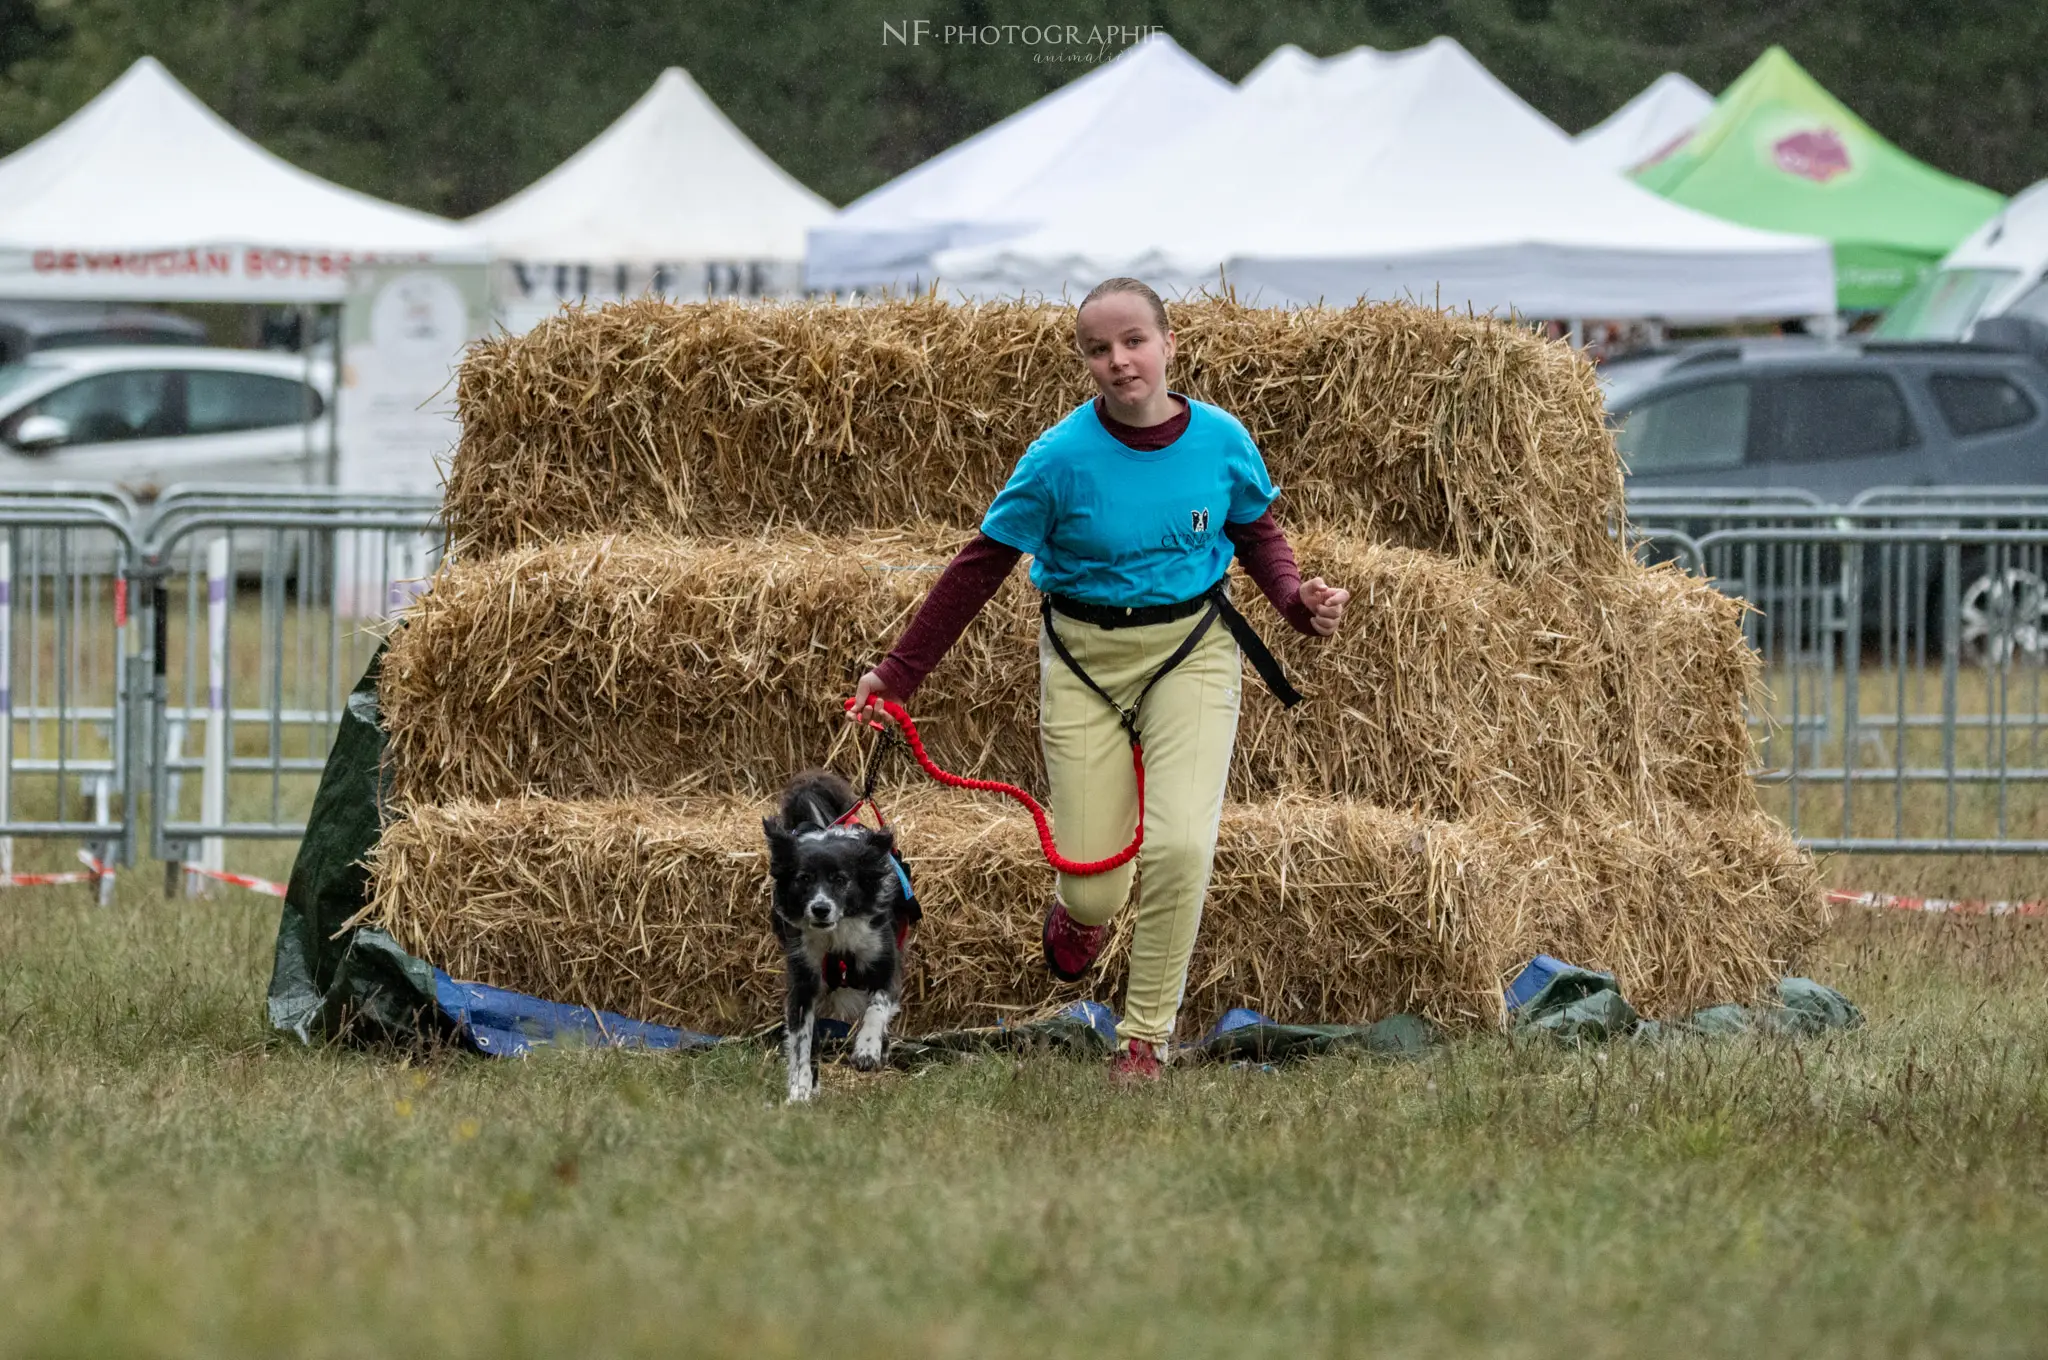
<point>1189,724</point>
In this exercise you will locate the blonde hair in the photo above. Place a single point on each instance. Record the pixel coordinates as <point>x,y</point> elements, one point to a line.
<point>1125,285</point>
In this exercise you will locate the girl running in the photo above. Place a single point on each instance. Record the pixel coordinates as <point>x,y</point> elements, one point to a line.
<point>1130,508</point>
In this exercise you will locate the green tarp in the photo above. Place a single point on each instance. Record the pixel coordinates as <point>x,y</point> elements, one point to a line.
<point>1578,1005</point>
<point>328,982</point>
<point>1778,151</point>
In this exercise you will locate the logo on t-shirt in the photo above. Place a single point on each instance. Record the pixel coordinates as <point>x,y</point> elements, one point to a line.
<point>1191,539</point>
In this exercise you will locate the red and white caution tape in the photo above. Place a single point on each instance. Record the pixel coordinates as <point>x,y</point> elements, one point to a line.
<point>1937,905</point>
<point>92,873</point>
<point>95,871</point>
<point>46,880</point>
<point>262,885</point>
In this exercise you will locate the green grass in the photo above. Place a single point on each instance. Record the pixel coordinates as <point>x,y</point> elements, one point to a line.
<point>174,1181</point>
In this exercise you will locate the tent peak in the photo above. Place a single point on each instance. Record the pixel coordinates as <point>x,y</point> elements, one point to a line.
<point>1652,125</point>
<point>1779,151</point>
<point>671,178</point>
<point>1285,58</point>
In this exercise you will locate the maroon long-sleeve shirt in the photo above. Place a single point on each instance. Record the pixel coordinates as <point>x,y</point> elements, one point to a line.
<point>977,572</point>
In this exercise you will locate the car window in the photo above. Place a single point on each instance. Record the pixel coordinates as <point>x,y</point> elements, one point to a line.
<point>1810,417</point>
<point>1978,403</point>
<point>1697,429</point>
<point>110,407</point>
<point>219,402</point>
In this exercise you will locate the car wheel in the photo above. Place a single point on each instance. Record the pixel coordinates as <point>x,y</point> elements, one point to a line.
<point>2004,614</point>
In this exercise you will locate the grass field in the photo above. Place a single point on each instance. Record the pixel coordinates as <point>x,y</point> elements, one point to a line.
<point>174,1181</point>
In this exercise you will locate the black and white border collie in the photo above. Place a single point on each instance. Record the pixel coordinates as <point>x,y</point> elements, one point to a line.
<point>841,907</point>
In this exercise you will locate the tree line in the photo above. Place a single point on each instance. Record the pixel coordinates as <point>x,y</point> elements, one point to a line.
<point>453,107</point>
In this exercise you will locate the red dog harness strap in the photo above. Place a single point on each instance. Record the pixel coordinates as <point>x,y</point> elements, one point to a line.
<point>838,968</point>
<point>1053,857</point>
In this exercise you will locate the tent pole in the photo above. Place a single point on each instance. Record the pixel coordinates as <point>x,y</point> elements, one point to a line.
<point>306,358</point>
<point>334,405</point>
<point>1575,332</point>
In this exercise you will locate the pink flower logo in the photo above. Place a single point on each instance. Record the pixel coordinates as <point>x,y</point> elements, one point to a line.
<point>1817,155</point>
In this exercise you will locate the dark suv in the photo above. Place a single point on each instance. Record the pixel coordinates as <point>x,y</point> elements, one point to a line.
<point>1831,419</point>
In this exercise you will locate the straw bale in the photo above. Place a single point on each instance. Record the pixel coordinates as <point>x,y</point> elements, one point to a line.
<point>1674,673</point>
<point>1465,435</point>
<point>642,665</point>
<point>1320,910</point>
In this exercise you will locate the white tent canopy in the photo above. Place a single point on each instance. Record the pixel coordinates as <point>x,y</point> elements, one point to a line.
<point>145,193</point>
<point>1648,125</point>
<point>1018,173</point>
<point>1428,180</point>
<point>670,198</point>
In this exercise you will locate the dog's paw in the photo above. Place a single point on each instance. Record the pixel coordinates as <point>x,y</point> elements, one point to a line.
<point>866,1061</point>
<point>800,1095</point>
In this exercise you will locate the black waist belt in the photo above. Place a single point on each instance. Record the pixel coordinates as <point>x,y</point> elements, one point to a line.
<point>1211,604</point>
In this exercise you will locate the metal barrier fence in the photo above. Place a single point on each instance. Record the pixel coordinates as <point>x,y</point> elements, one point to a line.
<point>191,658</point>
<point>67,682</point>
<point>1903,640</point>
<point>262,618</point>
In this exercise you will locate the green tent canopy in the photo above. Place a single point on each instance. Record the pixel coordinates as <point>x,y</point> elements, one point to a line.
<point>1780,152</point>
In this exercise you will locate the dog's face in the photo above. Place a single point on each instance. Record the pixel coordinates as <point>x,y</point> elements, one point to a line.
<point>825,877</point>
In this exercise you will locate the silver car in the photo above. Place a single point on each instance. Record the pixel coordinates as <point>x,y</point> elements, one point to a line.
<point>144,417</point>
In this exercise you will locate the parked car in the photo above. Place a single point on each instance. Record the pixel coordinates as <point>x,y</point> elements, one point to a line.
<point>29,327</point>
<point>144,417</point>
<point>1832,419</point>
<point>1835,420</point>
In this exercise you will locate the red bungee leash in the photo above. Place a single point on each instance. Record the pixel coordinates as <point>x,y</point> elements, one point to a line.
<point>1053,857</point>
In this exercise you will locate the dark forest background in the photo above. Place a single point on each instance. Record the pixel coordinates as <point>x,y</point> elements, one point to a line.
<point>450,105</point>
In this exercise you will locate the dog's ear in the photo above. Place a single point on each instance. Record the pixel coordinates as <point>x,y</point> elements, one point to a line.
<point>781,846</point>
<point>881,840</point>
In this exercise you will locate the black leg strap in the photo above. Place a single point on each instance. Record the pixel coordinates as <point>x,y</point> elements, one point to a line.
<point>1180,653</point>
<point>1253,646</point>
<point>1127,716</point>
<point>1218,606</point>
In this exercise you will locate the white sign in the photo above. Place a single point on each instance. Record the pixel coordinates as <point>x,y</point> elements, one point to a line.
<point>404,331</point>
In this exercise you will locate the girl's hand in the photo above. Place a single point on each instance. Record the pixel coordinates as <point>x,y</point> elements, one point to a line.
<point>1325,604</point>
<point>865,693</point>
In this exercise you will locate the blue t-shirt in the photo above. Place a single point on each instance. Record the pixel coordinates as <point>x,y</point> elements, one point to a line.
<point>1110,524</point>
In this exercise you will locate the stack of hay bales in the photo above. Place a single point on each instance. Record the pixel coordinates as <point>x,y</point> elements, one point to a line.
<point>682,532</point>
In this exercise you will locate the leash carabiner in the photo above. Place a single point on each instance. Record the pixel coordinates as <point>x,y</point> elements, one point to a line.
<point>888,738</point>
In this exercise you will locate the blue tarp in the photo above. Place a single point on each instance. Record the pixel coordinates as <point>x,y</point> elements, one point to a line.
<point>507,1024</point>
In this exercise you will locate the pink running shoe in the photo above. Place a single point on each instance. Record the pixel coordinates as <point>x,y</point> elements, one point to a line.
<point>1135,1061</point>
<point>1070,947</point>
